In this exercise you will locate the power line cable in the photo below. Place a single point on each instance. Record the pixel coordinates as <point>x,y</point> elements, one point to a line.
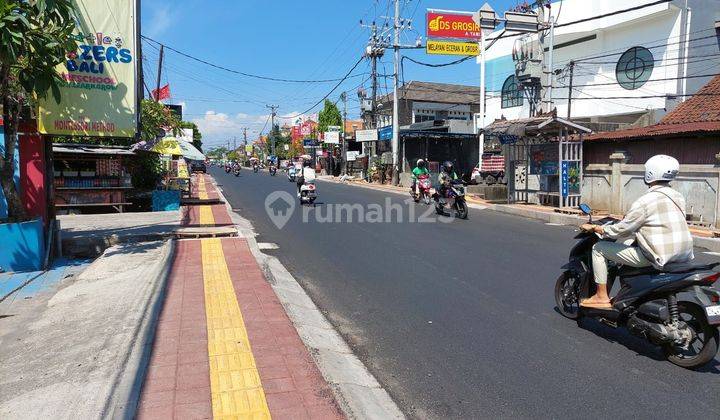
<point>273,79</point>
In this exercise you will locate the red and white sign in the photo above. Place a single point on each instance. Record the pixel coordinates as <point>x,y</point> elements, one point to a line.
<point>456,25</point>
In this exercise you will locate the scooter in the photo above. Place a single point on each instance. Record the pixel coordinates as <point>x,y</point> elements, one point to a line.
<point>236,169</point>
<point>308,193</point>
<point>454,200</point>
<point>291,174</point>
<point>256,167</point>
<point>272,170</point>
<point>675,308</point>
<point>228,168</point>
<point>422,190</point>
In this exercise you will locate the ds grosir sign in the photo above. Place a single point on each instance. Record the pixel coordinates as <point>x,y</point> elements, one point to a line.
<point>455,25</point>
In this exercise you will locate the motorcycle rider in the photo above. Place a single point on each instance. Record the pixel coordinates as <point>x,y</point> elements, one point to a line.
<point>306,173</point>
<point>657,222</point>
<point>419,170</point>
<point>446,177</point>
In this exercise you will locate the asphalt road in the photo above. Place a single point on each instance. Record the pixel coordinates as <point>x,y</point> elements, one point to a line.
<point>457,320</point>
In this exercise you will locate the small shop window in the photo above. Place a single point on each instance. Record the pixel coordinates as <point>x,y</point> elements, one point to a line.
<point>510,96</point>
<point>634,68</point>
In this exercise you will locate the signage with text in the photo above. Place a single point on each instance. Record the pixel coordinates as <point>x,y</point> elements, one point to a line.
<point>366,135</point>
<point>459,25</point>
<point>451,48</point>
<point>98,95</point>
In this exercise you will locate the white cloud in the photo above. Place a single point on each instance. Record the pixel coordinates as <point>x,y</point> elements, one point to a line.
<point>160,21</point>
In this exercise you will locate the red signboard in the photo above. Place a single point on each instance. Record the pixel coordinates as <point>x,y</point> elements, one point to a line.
<point>451,25</point>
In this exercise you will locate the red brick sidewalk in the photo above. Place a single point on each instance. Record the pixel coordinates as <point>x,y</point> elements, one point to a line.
<point>186,356</point>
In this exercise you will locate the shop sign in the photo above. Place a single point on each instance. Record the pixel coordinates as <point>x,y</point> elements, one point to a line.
<point>98,95</point>
<point>451,24</point>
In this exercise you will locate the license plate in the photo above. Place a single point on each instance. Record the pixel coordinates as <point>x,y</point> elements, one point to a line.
<point>712,310</point>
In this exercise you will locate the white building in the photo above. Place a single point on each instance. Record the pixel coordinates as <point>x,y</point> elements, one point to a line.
<point>629,68</point>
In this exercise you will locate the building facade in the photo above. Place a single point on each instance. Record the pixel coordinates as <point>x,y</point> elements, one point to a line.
<point>627,69</point>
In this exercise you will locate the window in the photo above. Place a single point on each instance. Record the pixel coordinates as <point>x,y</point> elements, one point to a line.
<point>422,118</point>
<point>510,95</point>
<point>634,68</point>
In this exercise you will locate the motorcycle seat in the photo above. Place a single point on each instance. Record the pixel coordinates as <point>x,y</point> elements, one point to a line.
<point>672,268</point>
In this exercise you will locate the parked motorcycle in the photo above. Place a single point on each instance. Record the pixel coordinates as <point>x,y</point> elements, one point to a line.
<point>272,170</point>
<point>308,193</point>
<point>675,308</point>
<point>454,200</point>
<point>422,190</point>
<point>291,174</point>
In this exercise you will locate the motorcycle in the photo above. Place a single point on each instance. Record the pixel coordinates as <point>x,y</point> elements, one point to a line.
<point>675,308</point>
<point>308,193</point>
<point>256,167</point>
<point>228,168</point>
<point>422,190</point>
<point>291,174</point>
<point>236,169</point>
<point>454,199</point>
<point>272,170</point>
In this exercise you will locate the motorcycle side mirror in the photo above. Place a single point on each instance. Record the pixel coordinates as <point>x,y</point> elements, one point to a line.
<point>585,209</point>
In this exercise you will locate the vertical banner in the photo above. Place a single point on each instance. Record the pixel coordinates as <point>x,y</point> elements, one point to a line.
<point>565,178</point>
<point>98,88</point>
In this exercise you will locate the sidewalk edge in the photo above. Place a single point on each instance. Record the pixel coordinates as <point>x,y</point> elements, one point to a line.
<point>356,390</point>
<point>123,400</point>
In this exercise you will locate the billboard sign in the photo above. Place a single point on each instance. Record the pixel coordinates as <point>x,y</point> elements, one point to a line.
<point>366,135</point>
<point>451,48</point>
<point>385,133</point>
<point>332,137</point>
<point>98,80</point>
<point>451,24</point>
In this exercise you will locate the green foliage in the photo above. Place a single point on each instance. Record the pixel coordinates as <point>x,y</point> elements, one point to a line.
<point>154,116</point>
<point>34,37</point>
<point>197,136</point>
<point>330,115</point>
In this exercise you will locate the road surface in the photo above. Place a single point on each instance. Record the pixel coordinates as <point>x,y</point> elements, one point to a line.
<point>457,320</point>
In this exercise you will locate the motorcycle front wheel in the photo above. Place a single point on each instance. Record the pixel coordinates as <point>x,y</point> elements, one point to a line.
<point>704,345</point>
<point>461,208</point>
<point>426,199</point>
<point>567,296</point>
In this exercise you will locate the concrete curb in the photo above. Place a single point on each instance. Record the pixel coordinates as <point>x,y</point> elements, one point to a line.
<point>356,390</point>
<point>124,397</point>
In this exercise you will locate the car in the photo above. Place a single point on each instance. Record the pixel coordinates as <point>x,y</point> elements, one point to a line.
<point>198,166</point>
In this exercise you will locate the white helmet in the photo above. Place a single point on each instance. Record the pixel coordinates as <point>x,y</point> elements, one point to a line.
<point>420,163</point>
<point>661,168</point>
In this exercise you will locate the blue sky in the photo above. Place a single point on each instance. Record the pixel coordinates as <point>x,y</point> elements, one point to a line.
<point>318,39</point>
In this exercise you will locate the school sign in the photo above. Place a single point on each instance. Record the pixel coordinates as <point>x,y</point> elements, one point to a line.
<point>99,79</point>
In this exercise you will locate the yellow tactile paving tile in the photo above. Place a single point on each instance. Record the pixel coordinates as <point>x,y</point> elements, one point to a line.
<point>234,380</point>
<point>206,214</point>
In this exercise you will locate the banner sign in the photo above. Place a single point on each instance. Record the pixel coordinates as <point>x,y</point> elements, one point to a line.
<point>98,87</point>
<point>310,142</point>
<point>385,133</point>
<point>565,178</point>
<point>451,48</point>
<point>366,135</point>
<point>459,25</point>
<point>332,137</point>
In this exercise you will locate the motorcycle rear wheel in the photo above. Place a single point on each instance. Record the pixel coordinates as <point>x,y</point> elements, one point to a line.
<point>462,209</point>
<point>707,335</point>
<point>567,297</point>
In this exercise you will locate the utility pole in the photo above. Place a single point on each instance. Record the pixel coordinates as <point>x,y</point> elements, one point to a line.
<point>273,109</point>
<point>343,152</point>
<point>396,107</point>
<point>234,143</point>
<point>157,91</point>
<point>546,104</point>
<point>570,88</point>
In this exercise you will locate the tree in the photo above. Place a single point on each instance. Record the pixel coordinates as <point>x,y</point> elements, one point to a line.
<point>156,117</point>
<point>330,115</point>
<point>34,38</point>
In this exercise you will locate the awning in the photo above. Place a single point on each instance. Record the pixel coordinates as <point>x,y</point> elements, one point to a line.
<point>509,131</point>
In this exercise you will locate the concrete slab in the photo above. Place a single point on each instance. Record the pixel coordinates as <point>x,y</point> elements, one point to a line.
<point>76,350</point>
